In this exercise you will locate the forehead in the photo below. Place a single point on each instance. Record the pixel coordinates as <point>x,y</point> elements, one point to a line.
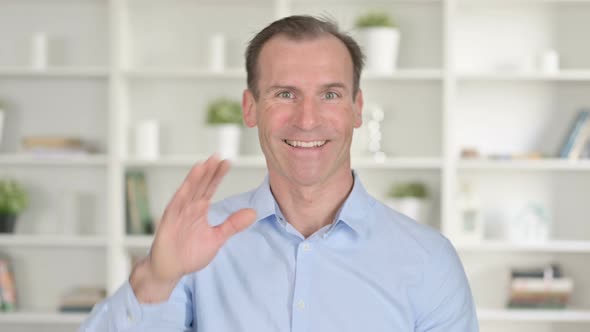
<point>321,57</point>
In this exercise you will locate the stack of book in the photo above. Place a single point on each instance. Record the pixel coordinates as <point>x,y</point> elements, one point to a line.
<point>53,146</point>
<point>577,141</point>
<point>540,288</point>
<point>81,299</point>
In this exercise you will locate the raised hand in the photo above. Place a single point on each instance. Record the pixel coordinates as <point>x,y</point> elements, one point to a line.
<point>185,242</point>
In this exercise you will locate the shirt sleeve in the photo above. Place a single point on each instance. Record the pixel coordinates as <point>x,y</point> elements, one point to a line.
<point>445,299</point>
<point>122,312</point>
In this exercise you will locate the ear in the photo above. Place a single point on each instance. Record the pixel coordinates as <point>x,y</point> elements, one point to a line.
<point>249,108</point>
<point>358,109</point>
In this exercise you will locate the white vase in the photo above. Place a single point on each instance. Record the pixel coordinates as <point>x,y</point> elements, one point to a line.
<point>228,140</point>
<point>412,207</point>
<point>380,45</point>
<point>217,52</point>
<point>40,51</point>
<point>147,140</point>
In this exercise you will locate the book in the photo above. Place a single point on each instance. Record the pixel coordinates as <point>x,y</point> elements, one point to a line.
<point>574,135</point>
<point>7,287</point>
<point>538,285</point>
<point>553,271</point>
<point>139,219</point>
<point>81,299</point>
<point>581,141</point>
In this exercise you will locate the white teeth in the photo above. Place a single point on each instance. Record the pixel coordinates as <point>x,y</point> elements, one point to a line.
<point>300,144</point>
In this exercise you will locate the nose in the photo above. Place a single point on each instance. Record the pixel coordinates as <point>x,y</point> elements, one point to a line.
<point>307,115</point>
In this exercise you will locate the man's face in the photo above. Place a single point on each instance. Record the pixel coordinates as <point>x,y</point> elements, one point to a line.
<point>305,112</point>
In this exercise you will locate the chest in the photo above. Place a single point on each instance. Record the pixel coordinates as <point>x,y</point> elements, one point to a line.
<point>278,286</point>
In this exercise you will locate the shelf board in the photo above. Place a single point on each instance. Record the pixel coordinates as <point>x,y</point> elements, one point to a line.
<point>42,318</point>
<point>184,73</point>
<point>138,242</point>
<point>52,241</point>
<point>90,160</point>
<point>557,246</point>
<point>238,73</point>
<point>552,164</point>
<point>398,163</point>
<point>564,75</point>
<point>404,74</point>
<point>55,72</point>
<point>534,315</point>
<point>259,162</point>
<point>188,161</point>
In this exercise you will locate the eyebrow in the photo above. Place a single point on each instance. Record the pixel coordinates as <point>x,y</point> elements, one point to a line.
<point>290,87</point>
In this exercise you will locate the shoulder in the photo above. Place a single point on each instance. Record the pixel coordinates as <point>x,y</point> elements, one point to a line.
<point>421,241</point>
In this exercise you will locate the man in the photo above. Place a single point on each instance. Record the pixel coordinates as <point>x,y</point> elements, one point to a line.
<point>309,250</point>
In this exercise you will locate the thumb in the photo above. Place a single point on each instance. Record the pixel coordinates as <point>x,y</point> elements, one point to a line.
<point>235,223</point>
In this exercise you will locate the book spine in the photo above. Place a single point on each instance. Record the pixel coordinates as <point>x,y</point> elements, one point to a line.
<point>133,221</point>
<point>573,133</point>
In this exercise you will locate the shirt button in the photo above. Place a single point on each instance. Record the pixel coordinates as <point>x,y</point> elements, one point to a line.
<point>306,247</point>
<point>129,316</point>
<point>301,305</point>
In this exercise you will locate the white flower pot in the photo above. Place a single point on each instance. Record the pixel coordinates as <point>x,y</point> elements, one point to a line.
<point>228,140</point>
<point>380,45</point>
<point>412,207</point>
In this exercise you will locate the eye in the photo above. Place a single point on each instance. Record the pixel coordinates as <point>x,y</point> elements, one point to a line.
<point>285,94</point>
<point>331,95</point>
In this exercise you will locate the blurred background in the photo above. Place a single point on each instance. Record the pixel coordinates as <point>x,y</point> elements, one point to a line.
<point>476,123</point>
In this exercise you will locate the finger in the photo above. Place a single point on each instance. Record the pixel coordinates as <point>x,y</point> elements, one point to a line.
<point>235,223</point>
<point>220,173</point>
<point>185,191</point>
<point>199,186</point>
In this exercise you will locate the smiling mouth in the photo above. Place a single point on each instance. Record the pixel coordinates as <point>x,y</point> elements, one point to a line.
<point>305,145</point>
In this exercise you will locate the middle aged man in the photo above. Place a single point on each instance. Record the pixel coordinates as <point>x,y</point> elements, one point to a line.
<point>309,250</point>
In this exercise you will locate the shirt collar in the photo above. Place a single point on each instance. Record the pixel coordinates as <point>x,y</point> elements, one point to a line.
<point>356,207</point>
<point>352,213</point>
<point>262,201</point>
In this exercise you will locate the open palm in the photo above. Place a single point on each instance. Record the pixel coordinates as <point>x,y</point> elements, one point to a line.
<point>185,242</point>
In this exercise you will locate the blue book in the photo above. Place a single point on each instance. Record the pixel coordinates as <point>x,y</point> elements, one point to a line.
<point>574,133</point>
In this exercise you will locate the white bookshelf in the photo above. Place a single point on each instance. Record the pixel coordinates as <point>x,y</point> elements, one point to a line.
<point>122,61</point>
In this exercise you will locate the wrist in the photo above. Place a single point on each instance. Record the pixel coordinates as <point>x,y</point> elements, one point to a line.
<point>147,287</point>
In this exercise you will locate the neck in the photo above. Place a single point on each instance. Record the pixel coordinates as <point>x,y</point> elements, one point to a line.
<point>310,207</point>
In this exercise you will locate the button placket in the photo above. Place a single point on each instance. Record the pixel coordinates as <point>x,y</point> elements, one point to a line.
<point>300,307</point>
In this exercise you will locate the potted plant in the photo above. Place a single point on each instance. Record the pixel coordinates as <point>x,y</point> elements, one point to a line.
<point>379,37</point>
<point>411,199</point>
<point>13,200</point>
<point>225,115</point>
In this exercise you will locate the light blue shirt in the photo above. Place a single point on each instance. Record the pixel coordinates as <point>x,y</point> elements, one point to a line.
<point>373,270</point>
